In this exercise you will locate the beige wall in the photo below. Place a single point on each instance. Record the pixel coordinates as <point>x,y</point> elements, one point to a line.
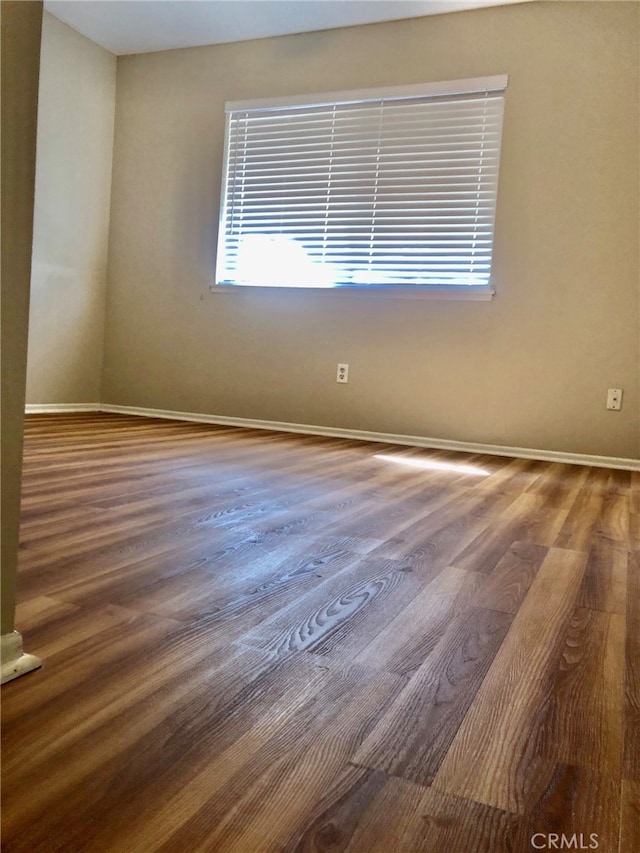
<point>531,368</point>
<point>73,190</point>
<point>20,58</point>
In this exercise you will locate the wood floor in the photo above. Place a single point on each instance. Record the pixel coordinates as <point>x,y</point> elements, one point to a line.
<point>258,642</point>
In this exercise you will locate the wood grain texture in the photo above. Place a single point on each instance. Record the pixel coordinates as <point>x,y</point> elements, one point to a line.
<point>339,812</point>
<point>630,816</point>
<point>631,758</point>
<point>451,823</point>
<point>414,737</point>
<point>408,817</point>
<point>271,801</point>
<point>574,802</point>
<point>605,577</point>
<point>405,642</point>
<point>390,819</point>
<point>489,757</point>
<point>332,608</point>
<point>484,552</point>
<point>584,719</point>
<point>508,583</point>
<point>257,642</point>
<point>583,519</point>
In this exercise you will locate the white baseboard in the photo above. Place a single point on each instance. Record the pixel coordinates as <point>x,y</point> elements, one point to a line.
<point>337,432</point>
<point>385,438</point>
<point>60,408</point>
<point>14,661</point>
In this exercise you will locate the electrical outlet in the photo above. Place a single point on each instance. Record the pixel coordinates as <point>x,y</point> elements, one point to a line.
<point>614,399</point>
<point>343,373</point>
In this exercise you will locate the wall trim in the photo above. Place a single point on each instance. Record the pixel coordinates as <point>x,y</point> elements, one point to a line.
<point>383,437</point>
<point>337,432</point>
<point>15,662</point>
<point>60,408</point>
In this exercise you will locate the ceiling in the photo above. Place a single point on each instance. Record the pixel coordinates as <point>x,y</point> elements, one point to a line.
<point>141,26</point>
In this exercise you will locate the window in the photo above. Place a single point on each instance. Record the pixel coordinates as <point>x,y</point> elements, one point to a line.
<point>393,189</point>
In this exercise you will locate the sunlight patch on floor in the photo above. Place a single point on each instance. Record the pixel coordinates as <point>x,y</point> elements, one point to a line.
<point>434,465</point>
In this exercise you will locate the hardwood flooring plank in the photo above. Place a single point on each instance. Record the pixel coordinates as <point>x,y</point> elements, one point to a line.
<point>387,823</point>
<point>513,475</point>
<point>413,738</point>
<point>560,482</point>
<point>491,759</point>
<point>57,574</point>
<point>66,679</point>
<point>179,501</point>
<point>634,531</point>
<point>118,524</point>
<point>336,815</point>
<point>630,817</point>
<point>546,522</point>
<point>408,818</point>
<point>349,643</point>
<point>446,530</point>
<point>101,702</point>
<point>268,574</point>
<point>373,513</point>
<point>508,582</point>
<point>162,721</point>
<point>268,587</point>
<point>143,811</point>
<point>333,609</point>
<point>634,487</point>
<point>54,625</point>
<point>208,789</point>
<point>584,719</point>
<point>584,516</point>
<point>579,804</point>
<point>631,757</point>
<point>514,524</point>
<point>70,512</point>
<point>621,481</point>
<point>275,802</point>
<point>613,523</point>
<point>405,642</point>
<point>450,823</point>
<point>604,586</point>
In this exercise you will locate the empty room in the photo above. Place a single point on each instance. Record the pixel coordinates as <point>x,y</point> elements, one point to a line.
<point>320,426</point>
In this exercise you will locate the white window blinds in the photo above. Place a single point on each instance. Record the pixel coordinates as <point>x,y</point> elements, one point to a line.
<point>395,187</point>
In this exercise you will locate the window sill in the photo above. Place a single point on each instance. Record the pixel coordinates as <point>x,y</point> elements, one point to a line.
<point>459,293</point>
